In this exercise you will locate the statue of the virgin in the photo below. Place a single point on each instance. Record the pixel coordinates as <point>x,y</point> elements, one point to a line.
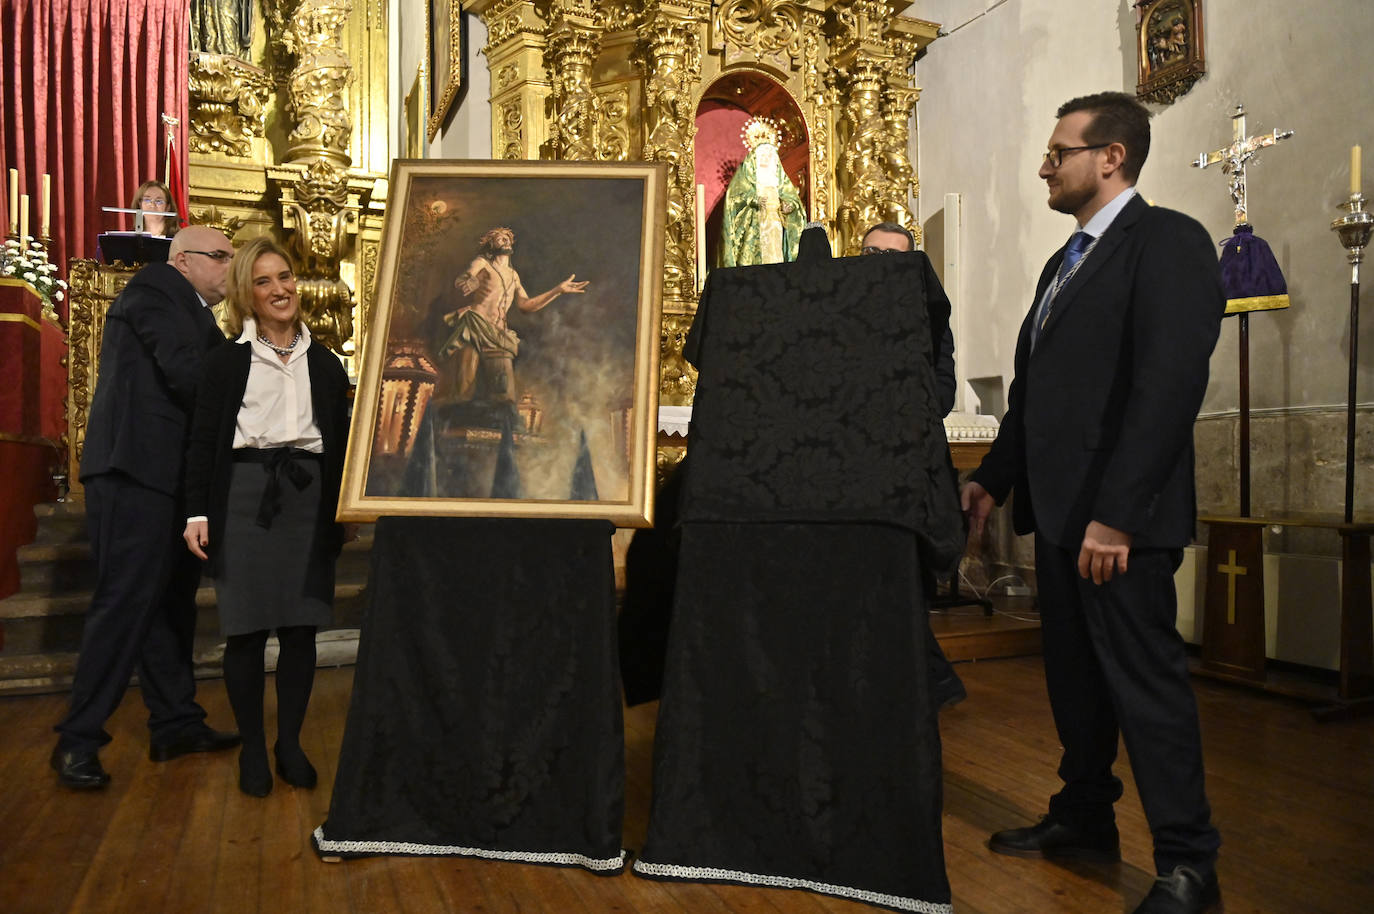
<point>764,215</point>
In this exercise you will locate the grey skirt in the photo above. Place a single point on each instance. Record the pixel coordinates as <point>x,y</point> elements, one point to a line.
<point>267,578</point>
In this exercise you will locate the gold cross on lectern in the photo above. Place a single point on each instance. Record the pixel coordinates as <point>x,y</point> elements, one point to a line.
<point>1231,570</point>
<point>1234,157</point>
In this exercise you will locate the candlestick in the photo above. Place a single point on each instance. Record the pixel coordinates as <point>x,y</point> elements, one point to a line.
<point>24,220</point>
<point>1354,230</point>
<point>45,206</point>
<point>1354,171</point>
<point>14,200</point>
<point>699,226</point>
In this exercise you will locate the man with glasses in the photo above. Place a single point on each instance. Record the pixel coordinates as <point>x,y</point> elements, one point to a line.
<point>1097,442</point>
<point>143,613</point>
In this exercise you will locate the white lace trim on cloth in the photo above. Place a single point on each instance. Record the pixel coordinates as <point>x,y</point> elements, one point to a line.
<point>447,850</point>
<point>706,873</point>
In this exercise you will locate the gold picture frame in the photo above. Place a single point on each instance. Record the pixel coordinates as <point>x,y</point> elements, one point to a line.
<point>415,120</point>
<point>1169,48</point>
<point>482,395</point>
<point>445,49</point>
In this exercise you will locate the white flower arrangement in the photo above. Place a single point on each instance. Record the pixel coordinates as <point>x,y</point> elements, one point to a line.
<point>28,260</point>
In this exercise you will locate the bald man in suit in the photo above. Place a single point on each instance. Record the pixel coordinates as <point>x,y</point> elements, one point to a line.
<point>142,613</point>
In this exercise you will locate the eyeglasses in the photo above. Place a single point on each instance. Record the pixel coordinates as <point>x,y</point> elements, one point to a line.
<point>872,250</point>
<point>217,256</point>
<point>153,201</point>
<point>1055,157</point>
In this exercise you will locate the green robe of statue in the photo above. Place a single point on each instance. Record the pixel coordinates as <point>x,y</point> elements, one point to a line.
<point>763,219</point>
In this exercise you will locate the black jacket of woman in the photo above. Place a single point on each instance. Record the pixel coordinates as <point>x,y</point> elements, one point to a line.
<point>210,453</point>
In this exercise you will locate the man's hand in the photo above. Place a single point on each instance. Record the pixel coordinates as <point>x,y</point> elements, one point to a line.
<point>568,285</point>
<point>977,505</point>
<point>1104,553</point>
<point>197,537</point>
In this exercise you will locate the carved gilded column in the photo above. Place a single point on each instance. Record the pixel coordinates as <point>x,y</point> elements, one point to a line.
<point>573,42</point>
<point>520,86</point>
<point>670,50</point>
<point>319,203</point>
<point>672,59</point>
<point>862,58</point>
<point>817,78</point>
<point>898,103</point>
<point>872,50</point>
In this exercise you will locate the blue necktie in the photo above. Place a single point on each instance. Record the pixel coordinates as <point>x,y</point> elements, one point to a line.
<point>1078,244</point>
<point>1074,252</point>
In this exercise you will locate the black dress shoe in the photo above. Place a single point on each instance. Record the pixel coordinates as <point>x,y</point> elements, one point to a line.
<point>294,768</point>
<point>78,770</point>
<point>196,739</point>
<point>1183,891</point>
<point>1053,840</point>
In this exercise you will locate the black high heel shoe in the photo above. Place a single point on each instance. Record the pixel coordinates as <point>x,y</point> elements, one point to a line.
<point>295,769</point>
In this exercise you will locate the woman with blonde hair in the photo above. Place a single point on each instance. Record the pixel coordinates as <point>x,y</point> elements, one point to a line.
<point>263,470</point>
<point>154,195</point>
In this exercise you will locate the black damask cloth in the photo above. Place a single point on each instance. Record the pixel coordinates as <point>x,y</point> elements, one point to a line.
<point>816,400</point>
<point>796,744</point>
<point>486,718</point>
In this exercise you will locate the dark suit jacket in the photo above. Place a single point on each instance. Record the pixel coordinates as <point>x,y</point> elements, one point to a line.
<point>210,457</point>
<point>157,334</point>
<point>1099,423</point>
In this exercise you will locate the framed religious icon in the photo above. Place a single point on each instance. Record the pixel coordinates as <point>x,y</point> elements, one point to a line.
<point>510,364</point>
<point>1169,54</point>
<point>445,50</point>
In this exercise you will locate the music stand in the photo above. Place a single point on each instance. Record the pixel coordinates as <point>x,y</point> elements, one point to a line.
<point>136,246</point>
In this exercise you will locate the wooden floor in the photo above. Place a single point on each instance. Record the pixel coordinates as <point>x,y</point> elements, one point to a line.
<point>1294,800</point>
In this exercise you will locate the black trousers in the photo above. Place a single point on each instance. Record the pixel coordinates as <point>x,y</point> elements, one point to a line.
<point>1115,663</point>
<point>142,614</point>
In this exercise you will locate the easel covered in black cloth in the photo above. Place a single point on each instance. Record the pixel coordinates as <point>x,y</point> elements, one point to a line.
<point>486,716</point>
<point>796,743</point>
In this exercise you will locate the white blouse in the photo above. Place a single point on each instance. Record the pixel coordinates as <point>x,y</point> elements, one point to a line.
<point>276,409</point>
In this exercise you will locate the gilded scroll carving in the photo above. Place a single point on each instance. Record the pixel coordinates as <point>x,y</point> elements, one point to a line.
<point>763,26</point>
<point>613,125</point>
<point>227,99</point>
<point>512,136</point>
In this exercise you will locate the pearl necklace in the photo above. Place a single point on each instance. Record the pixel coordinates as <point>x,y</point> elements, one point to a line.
<point>282,351</point>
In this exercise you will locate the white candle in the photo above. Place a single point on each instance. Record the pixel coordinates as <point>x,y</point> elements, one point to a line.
<point>1354,170</point>
<point>45,206</point>
<point>14,200</point>
<point>24,218</point>
<point>701,235</point>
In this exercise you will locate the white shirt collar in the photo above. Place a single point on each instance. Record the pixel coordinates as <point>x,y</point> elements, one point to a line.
<point>1103,218</point>
<point>203,302</point>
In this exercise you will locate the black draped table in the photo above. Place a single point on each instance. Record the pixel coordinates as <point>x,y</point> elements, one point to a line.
<point>486,713</point>
<point>796,744</point>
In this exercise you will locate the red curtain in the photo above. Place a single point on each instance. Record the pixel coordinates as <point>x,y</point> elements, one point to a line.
<point>83,85</point>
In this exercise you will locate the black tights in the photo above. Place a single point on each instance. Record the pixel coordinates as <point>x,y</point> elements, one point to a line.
<point>245,675</point>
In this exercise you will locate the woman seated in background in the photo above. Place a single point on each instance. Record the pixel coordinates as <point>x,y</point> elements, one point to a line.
<point>262,480</point>
<point>154,195</point>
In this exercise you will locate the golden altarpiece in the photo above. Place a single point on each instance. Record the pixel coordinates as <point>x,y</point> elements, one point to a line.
<point>291,136</point>
<point>288,135</point>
